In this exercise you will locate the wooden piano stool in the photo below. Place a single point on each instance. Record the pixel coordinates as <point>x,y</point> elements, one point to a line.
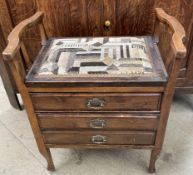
<point>99,92</point>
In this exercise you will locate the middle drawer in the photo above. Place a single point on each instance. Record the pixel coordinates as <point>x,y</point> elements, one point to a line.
<point>109,121</point>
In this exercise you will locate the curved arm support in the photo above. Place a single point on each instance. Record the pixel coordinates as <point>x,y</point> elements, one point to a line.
<point>178,32</point>
<point>14,38</point>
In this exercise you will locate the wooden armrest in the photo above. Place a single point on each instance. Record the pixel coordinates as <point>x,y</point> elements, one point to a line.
<point>14,41</point>
<point>179,32</point>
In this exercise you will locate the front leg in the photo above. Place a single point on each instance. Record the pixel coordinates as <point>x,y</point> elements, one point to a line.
<point>47,155</point>
<point>154,155</point>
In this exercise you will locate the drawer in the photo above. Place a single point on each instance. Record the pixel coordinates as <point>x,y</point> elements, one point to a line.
<point>96,101</point>
<point>103,137</point>
<point>97,121</point>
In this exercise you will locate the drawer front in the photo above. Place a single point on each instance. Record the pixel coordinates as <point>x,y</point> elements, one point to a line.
<point>103,137</point>
<point>96,102</point>
<point>97,121</point>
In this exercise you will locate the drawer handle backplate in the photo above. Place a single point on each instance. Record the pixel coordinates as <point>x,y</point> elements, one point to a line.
<point>95,103</point>
<point>99,139</point>
<point>97,123</point>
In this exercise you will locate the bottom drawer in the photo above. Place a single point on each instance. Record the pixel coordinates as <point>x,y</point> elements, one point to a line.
<point>103,137</point>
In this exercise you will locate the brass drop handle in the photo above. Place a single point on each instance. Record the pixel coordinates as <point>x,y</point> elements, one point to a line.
<point>95,103</point>
<point>99,139</point>
<point>97,123</point>
<point>107,23</point>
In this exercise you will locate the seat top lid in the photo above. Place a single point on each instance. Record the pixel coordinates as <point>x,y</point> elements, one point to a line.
<point>98,60</point>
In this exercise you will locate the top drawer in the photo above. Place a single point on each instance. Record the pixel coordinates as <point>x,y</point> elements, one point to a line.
<point>96,101</point>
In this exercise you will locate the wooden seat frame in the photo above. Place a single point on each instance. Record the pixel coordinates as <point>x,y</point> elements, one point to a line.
<point>172,63</point>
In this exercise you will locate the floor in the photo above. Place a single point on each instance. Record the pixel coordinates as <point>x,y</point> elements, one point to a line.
<point>19,154</point>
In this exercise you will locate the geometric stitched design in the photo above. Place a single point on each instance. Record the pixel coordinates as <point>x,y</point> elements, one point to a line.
<point>97,56</point>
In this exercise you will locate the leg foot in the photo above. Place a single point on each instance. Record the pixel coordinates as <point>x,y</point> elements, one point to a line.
<point>49,159</point>
<point>47,155</point>
<point>154,155</point>
<point>152,170</point>
<point>50,167</point>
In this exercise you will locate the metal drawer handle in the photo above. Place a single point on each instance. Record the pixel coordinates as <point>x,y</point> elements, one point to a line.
<point>97,123</point>
<point>95,103</point>
<point>99,139</point>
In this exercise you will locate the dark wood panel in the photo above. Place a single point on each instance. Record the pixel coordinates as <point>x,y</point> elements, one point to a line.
<point>135,17</point>
<point>57,19</point>
<point>108,121</point>
<point>78,14</point>
<point>21,9</point>
<point>110,102</point>
<point>5,20</point>
<point>86,137</point>
<point>95,17</point>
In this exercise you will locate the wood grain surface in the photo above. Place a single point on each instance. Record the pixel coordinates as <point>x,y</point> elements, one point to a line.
<point>85,137</point>
<point>111,121</point>
<point>112,101</point>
